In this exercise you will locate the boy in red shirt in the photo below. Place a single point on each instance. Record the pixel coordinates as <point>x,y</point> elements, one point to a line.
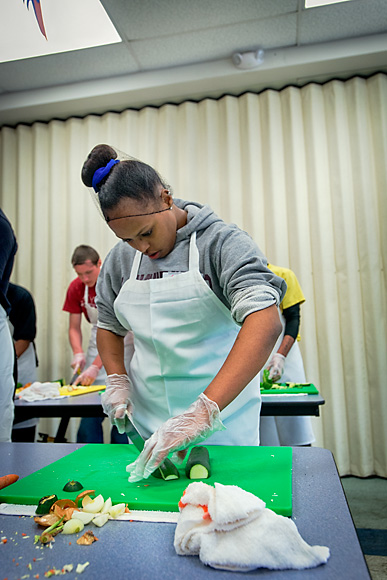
<point>80,300</point>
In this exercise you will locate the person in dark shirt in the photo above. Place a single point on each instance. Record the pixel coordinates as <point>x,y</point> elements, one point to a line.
<point>8,249</point>
<point>22,318</point>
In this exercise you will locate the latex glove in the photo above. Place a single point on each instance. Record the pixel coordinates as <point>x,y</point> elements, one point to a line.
<point>197,423</point>
<point>79,361</point>
<point>276,366</point>
<point>88,376</point>
<point>116,400</point>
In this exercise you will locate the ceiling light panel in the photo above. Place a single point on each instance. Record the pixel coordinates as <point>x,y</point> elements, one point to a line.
<point>69,25</point>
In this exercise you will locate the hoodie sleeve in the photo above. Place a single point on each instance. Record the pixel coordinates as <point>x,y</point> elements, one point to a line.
<point>241,268</point>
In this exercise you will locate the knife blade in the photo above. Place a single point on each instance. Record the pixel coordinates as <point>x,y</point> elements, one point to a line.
<point>74,378</point>
<point>166,469</point>
<point>133,434</point>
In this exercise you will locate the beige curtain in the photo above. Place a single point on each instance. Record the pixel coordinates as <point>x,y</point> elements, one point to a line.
<point>302,170</point>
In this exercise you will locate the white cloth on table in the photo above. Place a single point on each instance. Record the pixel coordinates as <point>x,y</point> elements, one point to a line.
<point>231,529</point>
<point>40,391</point>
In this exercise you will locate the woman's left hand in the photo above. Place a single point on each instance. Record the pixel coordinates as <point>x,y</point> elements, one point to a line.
<point>197,423</point>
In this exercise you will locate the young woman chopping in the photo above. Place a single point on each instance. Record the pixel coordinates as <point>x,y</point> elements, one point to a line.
<point>202,305</point>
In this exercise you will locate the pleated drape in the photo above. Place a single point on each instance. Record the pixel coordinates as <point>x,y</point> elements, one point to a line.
<point>302,170</point>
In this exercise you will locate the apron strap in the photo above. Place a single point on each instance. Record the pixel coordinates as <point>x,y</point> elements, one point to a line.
<point>193,254</point>
<point>135,266</point>
<point>89,306</point>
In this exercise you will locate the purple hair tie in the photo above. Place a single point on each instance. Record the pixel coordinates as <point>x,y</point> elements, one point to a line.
<point>102,172</point>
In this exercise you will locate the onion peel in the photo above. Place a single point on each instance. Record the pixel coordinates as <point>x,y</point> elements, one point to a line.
<point>47,520</point>
<point>83,494</point>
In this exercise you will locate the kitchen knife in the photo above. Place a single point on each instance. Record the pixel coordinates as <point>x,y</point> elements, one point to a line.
<point>74,377</point>
<point>166,470</point>
<point>133,434</point>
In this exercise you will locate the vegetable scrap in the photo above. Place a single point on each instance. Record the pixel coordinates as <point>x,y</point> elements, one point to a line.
<point>64,507</point>
<point>48,535</point>
<point>73,486</point>
<point>45,503</point>
<point>87,539</point>
<point>282,386</point>
<point>59,572</point>
<point>94,505</point>
<point>73,526</point>
<point>46,520</point>
<point>87,493</point>
<point>65,517</point>
<point>21,388</point>
<point>6,480</point>
<point>267,382</point>
<point>100,520</point>
<point>66,568</point>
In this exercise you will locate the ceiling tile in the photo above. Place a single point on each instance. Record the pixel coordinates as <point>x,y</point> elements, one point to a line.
<point>140,19</point>
<point>215,44</point>
<point>67,67</point>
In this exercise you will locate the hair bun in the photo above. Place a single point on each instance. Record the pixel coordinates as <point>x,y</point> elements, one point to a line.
<point>98,157</point>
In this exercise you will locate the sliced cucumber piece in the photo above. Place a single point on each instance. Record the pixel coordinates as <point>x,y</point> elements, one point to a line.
<point>198,464</point>
<point>167,470</point>
<point>198,472</point>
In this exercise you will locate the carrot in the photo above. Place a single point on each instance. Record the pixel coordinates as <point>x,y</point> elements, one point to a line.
<point>8,479</point>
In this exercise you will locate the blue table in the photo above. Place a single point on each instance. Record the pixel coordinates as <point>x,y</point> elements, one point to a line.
<point>144,551</point>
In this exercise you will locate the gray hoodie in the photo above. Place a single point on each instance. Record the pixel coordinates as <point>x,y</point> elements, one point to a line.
<point>230,262</point>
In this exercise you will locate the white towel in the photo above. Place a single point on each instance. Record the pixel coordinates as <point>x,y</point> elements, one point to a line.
<point>231,529</point>
<point>40,391</point>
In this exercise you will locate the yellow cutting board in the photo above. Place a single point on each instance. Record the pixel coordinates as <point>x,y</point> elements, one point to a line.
<point>70,391</point>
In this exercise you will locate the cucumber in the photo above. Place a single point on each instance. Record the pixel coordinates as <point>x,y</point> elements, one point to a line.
<point>73,486</point>
<point>267,383</point>
<point>198,464</point>
<point>167,470</point>
<point>45,504</point>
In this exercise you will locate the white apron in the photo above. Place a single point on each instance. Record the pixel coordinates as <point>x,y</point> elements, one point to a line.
<point>7,384</point>
<point>288,430</point>
<point>26,366</point>
<point>27,373</point>
<point>182,336</point>
<point>92,350</point>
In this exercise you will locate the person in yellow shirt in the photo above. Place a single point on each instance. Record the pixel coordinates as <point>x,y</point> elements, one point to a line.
<point>286,365</point>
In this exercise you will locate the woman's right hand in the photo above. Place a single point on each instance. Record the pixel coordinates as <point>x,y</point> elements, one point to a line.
<point>79,362</point>
<point>116,400</point>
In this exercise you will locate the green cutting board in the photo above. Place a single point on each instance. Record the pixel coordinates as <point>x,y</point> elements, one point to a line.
<point>308,389</point>
<point>264,471</point>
